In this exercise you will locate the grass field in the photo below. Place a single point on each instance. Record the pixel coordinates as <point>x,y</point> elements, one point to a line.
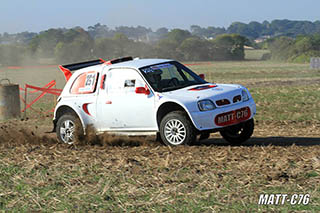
<point>255,54</point>
<point>139,175</point>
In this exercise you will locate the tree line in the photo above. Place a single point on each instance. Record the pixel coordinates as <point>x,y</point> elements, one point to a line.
<point>252,30</point>
<point>275,28</point>
<point>77,44</point>
<point>295,41</point>
<point>298,50</point>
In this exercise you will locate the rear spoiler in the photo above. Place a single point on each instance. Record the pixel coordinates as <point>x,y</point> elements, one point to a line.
<point>77,66</point>
<point>67,69</point>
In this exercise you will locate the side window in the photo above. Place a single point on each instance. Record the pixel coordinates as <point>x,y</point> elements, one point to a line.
<point>166,74</point>
<point>130,83</point>
<point>170,72</point>
<point>123,81</point>
<point>85,83</point>
<point>187,75</point>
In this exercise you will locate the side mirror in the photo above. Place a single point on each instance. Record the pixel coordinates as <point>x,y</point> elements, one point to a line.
<point>142,90</point>
<point>202,76</point>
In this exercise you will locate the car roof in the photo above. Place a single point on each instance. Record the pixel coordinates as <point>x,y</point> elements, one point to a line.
<point>133,64</point>
<point>138,63</point>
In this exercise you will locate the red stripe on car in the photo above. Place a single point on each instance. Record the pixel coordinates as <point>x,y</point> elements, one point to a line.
<point>85,108</point>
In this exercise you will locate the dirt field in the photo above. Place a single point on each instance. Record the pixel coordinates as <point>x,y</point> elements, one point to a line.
<point>137,174</point>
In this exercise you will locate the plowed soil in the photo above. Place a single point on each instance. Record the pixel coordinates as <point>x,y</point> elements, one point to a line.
<point>138,174</point>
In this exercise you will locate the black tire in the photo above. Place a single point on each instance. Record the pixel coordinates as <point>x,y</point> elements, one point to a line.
<point>204,136</point>
<point>158,137</point>
<point>176,129</point>
<point>72,130</point>
<point>239,133</point>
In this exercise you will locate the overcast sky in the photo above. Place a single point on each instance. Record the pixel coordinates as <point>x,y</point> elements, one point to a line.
<point>38,15</point>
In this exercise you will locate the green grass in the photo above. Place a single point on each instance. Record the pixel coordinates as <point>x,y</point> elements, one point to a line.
<point>255,54</point>
<point>248,71</point>
<point>296,103</point>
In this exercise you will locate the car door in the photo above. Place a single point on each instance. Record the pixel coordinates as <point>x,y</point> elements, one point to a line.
<point>119,107</point>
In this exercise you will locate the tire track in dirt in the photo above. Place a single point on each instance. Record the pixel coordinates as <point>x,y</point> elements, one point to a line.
<point>280,133</point>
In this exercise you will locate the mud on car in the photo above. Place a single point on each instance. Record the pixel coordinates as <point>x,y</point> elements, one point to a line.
<point>151,96</point>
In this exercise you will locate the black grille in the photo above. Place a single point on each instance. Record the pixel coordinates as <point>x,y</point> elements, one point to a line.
<point>222,102</point>
<point>236,98</point>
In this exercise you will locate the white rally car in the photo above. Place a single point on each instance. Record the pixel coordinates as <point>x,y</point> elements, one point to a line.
<point>151,96</point>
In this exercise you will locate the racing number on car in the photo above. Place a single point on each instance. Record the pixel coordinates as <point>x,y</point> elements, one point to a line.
<point>89,83</point>
<point>90,80</point>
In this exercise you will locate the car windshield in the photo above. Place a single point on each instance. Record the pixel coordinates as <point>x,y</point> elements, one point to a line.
<point>170,76</point>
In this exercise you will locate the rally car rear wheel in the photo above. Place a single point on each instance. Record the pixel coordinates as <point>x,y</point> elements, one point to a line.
<point>239,133</point>
<point>68,128</point>
<point>177,129</point>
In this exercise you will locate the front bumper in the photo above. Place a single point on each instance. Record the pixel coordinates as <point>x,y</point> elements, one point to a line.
<point>206,120</point>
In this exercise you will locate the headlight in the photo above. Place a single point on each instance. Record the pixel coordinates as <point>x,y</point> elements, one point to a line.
<point>206,105</point>
<point>244,95</point>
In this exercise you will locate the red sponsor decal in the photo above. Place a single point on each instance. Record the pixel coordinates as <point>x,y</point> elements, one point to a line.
<point>103,78</point>
<point>85,108</point>
<point>233,117</point>
<point>85,83</point>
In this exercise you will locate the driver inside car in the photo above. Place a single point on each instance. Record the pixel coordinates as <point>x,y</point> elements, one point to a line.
<point>155,78</point>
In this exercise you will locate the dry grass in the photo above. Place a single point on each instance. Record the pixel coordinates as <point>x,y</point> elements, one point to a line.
<point>111,173</point>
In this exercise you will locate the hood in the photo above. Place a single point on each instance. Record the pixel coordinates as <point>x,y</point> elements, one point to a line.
<point>213,92</point>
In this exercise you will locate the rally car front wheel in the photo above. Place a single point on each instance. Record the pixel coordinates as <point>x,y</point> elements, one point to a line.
<point>68,128</point>
<point>239,133</point>
<point>177,129</point>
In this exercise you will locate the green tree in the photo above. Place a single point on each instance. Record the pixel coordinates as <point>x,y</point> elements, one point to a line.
<point>121,44</point>
<point>44,44</point>
<point>104,48</point>
<point>280,48</point>
<point>162,33</point>
<point>78,50</point>
<point>252,30</point>
<point>100,31</point>
<point>76,45</point>
<point>167,48</point>
<point>228,47</point>
<point>195,49</point>
<point>178,35</point>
